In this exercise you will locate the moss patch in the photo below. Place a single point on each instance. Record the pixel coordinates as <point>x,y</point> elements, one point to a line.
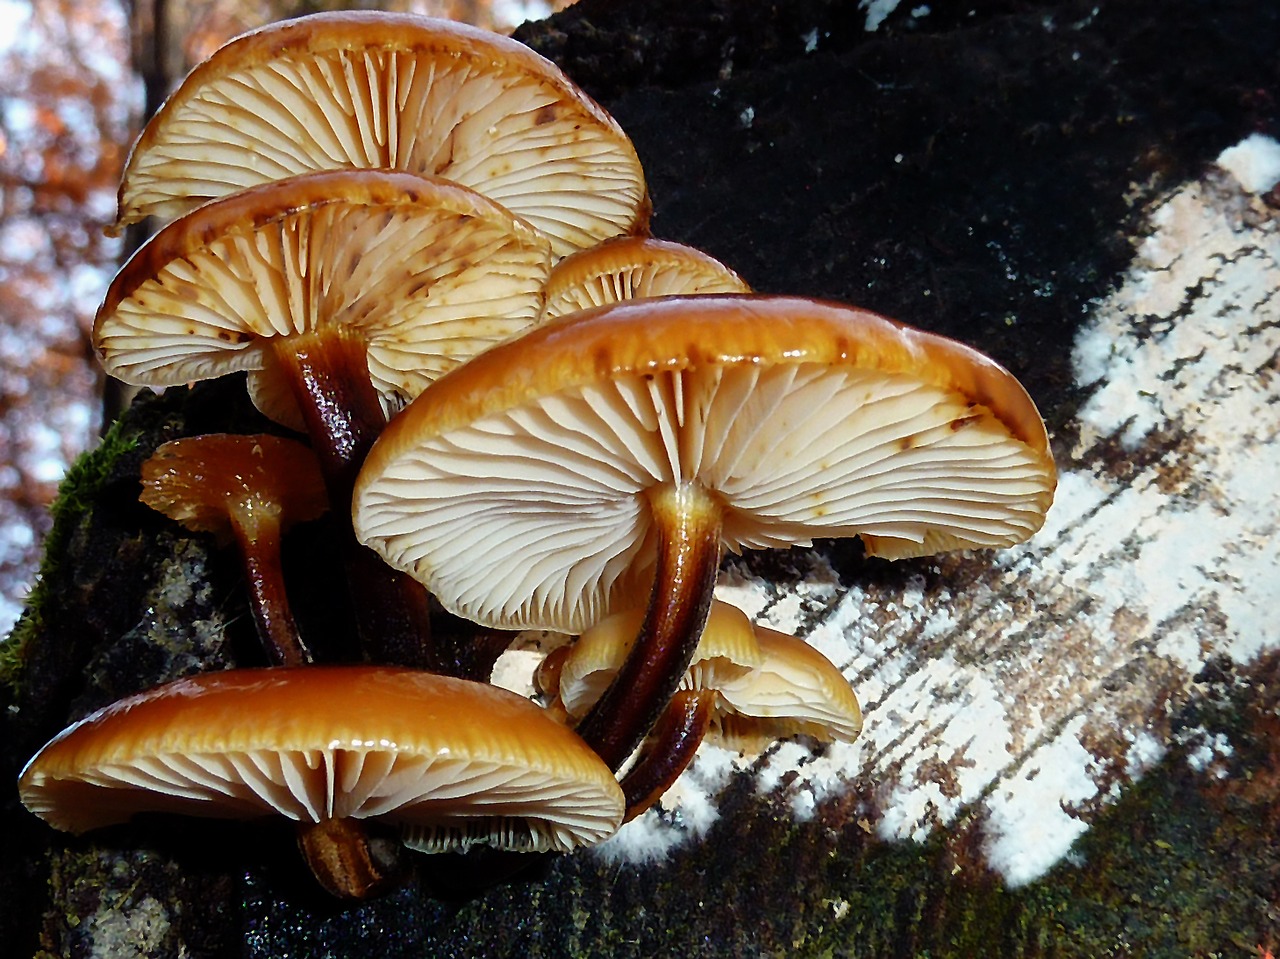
<point>70,511</point>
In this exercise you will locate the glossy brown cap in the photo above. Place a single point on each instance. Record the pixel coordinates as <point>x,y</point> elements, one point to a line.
<point>196,480</point>
<point>427,271</point>
<point>634,268</point>
<point>396,91</point>
<point>320,742</point>
<point>515,488</point>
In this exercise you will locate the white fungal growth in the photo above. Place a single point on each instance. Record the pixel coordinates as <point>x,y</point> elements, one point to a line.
<point>1059,666</point>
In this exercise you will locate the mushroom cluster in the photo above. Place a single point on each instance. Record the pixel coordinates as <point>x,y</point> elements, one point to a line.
<point>429,252</point>
<point>602,461</point>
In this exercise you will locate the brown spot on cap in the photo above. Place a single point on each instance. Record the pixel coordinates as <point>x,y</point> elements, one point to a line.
<point>961,422</point>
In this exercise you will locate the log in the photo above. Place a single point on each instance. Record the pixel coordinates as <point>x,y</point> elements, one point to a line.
<point>1070,746</point>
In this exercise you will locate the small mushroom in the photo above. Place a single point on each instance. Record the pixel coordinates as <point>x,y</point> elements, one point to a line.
<point>391,91</point>
<point>250,489</point>
<point>329,747</point>
<point>634,268</point>
<point>794,691</point>
<point>611,453</point>
<point>746,687</point>
<point>345,292</point>
<point>726,650</point>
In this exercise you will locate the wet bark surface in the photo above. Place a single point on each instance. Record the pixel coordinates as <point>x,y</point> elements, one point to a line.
<point>989,172</point>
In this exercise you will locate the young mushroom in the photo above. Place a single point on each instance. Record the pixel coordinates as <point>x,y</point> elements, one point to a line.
<point>391,91</point>
<point>584,668</point>
<point>343,294</point>
<point>610,454</point>
<point>249,489</point>
<point>795,691</point>
<point>329,747</point>
<point>746,687</point>
<point>634,268</point>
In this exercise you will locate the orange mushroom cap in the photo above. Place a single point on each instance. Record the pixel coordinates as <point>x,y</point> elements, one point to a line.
<point>634,268</point>
<point>766,685</point>
<point>425,271</point>
<point>514,488</point>
<point>728,648</point>
<point>396,91</point>
<point>318,742</point>
<point>202,481</point>
<point>795,690</point>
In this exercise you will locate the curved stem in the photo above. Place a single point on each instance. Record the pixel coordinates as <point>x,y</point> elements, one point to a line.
<point>465,649</point>
<point>328,370</point>
<point>669,751</point>
<point>343,859</point>
<point>688,520</point>
<point>257,532</point>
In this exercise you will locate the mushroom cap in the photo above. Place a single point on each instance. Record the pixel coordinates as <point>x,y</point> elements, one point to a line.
<point>391,91</point>
<point>427,271</point>
<point>726,650</point>
<point>767,685</point>
<point>515,487</point>
<point>795,689</point>
<point>634,268</point>
<point>197,480</point>
<point>323,742</point>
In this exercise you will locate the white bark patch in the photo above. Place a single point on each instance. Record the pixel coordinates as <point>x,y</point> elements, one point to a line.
<point>1052,675</point>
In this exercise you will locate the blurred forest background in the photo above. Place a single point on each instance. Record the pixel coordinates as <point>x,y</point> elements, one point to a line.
<point>76,80</point>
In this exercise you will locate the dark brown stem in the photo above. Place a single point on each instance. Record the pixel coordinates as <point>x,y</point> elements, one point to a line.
<point>669,750</point>
<point>258,535</point>
<point>688,520</point>
<point>391,609</point>
<point>465,649</point>
<point>344,860</point>
<point>329,373</point>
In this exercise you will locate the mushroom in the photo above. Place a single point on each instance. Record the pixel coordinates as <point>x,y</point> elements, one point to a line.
<point>250,489</point>
<point>391,91</point>
<point>795,691</point>
<point>746,686</point>
<point>557,477</point>
<point>726,649</point>
<point>329,747</point>
<point>634,268</point>
<point>345,292</point>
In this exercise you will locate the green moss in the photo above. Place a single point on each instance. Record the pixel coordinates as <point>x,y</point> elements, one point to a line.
<point>76,493</point>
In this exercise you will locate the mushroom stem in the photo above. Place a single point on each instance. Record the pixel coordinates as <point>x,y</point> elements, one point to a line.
<point>671,748</point>
<point>688,520</point>
<point>257,532</point>
<point>328,370</point>
<point>343,859</point>
<point>329,374</point>
<point>250,489</point>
